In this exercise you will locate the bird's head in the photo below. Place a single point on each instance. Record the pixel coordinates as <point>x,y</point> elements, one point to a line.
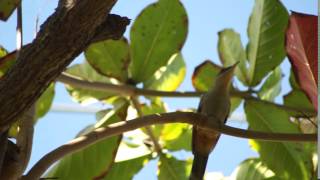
<point>225,76</point>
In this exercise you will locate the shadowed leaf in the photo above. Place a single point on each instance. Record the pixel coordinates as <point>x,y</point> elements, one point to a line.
<point>109,58</point>
<point>302,49</point>
<point>173,169</point>
<point>94,160</point>
<point>125,170</point>
<point>282,158</point>
<point>272,86</point>
<point>86,72</point>
<point>7,7</point>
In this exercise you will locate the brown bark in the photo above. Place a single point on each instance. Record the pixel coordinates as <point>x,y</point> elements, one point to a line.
<point>64,35</point>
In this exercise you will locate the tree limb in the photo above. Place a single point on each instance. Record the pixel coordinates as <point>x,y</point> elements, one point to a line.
<point>177,117</point>
<point>63,36</point>
<point>127,90</point>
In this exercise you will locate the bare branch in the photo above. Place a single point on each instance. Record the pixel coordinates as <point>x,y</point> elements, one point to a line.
<point>126,90</point>
<point>177,117</point>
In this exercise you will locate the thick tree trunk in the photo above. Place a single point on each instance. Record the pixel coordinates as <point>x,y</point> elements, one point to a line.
<point>63,36</point>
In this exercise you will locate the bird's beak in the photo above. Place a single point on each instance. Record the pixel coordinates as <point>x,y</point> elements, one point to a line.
<point>228,71</point>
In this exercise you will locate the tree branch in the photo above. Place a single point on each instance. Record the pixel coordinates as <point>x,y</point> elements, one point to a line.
<point>177,117</point>
<point>126,90</point>
<point>148,129</point>
<point>63,36</point>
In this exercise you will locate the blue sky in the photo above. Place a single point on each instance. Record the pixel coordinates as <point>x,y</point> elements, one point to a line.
<point>206,18</point>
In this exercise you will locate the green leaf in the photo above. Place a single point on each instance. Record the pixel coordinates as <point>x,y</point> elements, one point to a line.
<point>252,169</point>
<point>3,51</point>
<point>90,162</point>
<point>272,86</point>
<point>44,103</point>
<point>124,170</point>
<point>297,99</point>
<point>6,60</point>
<point>266,31</point>
<point>231,51</point>
<point>204,76</point>
<point>281,157</point>
<point>110,58</point>
<point>177,137</point>
<point>235,103</point>
<point>293,81</point>
<point>86,72</point>
<point>7,7</point>
<point>154,108</point>
<point>159,31</point>
<point>173,169</point>
<point>169,77</point>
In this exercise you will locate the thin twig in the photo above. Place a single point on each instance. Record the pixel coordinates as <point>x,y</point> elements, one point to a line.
<point>177,117</point>
<point>126,90</point>
<point>19,31</point>
<point>148,129</point>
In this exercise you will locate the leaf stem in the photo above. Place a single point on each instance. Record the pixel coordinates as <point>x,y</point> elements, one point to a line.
<point>148,129</point>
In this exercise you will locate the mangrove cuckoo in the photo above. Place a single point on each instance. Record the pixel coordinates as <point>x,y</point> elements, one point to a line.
<point>215,104</point>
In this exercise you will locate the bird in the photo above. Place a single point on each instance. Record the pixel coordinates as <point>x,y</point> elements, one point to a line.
<point>215,105</point>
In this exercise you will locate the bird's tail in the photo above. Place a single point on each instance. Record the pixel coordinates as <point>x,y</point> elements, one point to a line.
<point>198,166</point>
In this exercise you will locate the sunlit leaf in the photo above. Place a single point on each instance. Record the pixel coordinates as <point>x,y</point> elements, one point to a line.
<point>231,51</point>
<point>90,162</point>
<point>169,77</point>
<point>158,32</point>
<point>203,76</point>
<point>44,103</point>
<point>272,86</point>
<point>176,137</point>
<point>7,7</point>
<point>252,169</point>
<point>3,51</point>
<point>86,72</point>
<point>173,169</point>
<point>282,158</point>
<point>302,48</point>
<point>110,58</point>
<point>266,31</point>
